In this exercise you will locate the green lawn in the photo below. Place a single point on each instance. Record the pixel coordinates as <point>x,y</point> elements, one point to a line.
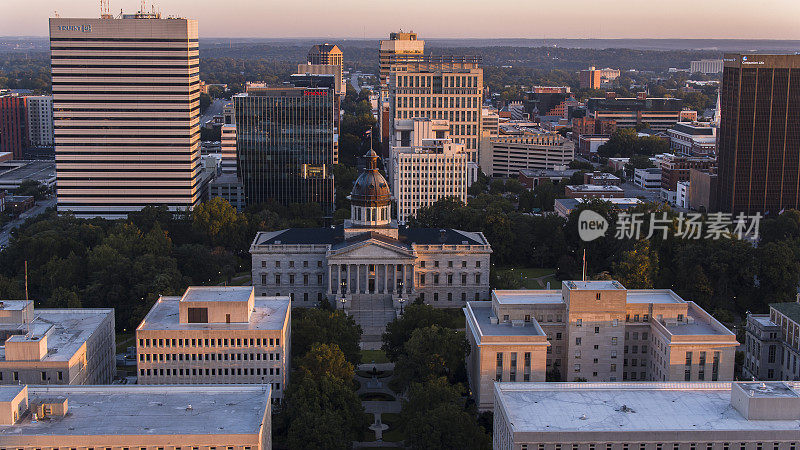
<point>125,340</point>
<point>367,356</point>
<point>393,434</point>
<point>528,275</point>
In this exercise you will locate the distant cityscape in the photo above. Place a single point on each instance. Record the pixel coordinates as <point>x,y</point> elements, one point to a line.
<point>385,244</point>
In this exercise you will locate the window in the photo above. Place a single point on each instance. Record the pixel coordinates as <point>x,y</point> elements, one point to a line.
<point>614,341</point>
<point>596,330</point>
<point>579,322</point>
<point>197,315</point>
<point>577,341</point>
<point>277,264</point>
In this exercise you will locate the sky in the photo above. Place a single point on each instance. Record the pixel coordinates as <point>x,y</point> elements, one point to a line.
<point>550,19</point>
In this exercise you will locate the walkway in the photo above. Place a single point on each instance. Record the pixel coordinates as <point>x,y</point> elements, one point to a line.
<point>376,408</point>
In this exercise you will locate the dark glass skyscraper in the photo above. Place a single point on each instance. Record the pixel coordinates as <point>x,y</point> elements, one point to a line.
<point>759,136</point>
<point>286,141</point>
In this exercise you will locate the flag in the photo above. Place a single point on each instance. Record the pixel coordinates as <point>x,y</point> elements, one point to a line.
<point>368,132</point>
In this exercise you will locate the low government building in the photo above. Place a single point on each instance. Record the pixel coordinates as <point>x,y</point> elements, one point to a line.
<point>772,343</point>
<point>593,331</point>
<point>369,265</point>
<point>135,417</point>
<point>647,416</point>
<point>216,335</point>
<point>56,346</point>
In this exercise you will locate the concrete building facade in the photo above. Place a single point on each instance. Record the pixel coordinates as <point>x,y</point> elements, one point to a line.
<point>425,165</point>
<point>141,417</point>
<point>772,346</point>
<point>216,335</point>
<point>687,139</point>
<point>40,121</point>
<point>706,66</point>
<point>443,88</point>
<point>126,99</point>
<point>647,416</point>
<point>506,155</point>
<point>597,331</point>
<point>13,125</point>
<point>56,346</point>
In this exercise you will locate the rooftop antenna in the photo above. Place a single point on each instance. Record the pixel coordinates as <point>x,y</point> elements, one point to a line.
<point>105,9</point>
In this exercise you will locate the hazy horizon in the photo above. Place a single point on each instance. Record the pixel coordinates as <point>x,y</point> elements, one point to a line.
<point>466,19</point>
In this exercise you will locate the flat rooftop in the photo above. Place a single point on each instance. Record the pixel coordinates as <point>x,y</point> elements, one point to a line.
<point>269,313</point>
<point>653,296</point>
<point>16,171</point>
<point>591,407</point>
<point>70,328</point>
<point>527,296</point>
<point>595,187</point>
<point>482,311</point>
<point>146,410</point>
<point>217,294</point>
<point>764,320</point>
<point>594,285</point>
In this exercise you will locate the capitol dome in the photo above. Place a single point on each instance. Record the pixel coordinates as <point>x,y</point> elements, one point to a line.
<point>371,188</point>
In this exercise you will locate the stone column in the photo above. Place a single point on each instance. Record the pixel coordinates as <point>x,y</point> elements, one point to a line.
<point>330,279</point>
<point>358,278</point>
<point>385,278</point>
<point>405,281</point>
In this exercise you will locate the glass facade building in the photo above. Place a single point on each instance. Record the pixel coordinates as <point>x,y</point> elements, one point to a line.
<point>759,136</point>
<point>286,142</point>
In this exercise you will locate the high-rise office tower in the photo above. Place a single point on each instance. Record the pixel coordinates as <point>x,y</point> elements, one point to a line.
<point>425,166</point>
<point>286,141</point>
<point>13,125</point>
<point>759,136</point>
<point>400,48</point>
<point>126,111</point>
<point>441,88</point>
<point>326,59</point>
<point>40,121</point>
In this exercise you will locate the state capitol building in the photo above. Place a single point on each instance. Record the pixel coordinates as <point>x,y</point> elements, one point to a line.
<point>369,262</point>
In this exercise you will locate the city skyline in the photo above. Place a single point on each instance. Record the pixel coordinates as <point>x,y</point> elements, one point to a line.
<point>736,19</point>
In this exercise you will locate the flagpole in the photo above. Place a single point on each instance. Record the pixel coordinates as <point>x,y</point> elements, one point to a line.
<point>584,264</point>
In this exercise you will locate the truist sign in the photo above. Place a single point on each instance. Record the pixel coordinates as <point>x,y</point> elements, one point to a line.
<point>78,28</point>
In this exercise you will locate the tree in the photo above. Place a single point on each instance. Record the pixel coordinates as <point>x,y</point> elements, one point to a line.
<point>33,189</point>
<point>205,102</point>
<point>221,223</point>
<point>446,426</point>
<point>399,330</point>
<point>433,416</point>
<point>64,298</point>
<point>323,413</point>
<point>313,325</point>
<point>638,267</point>
<point>430,353</point>
<point>778,270</point>
<point>324,360</point>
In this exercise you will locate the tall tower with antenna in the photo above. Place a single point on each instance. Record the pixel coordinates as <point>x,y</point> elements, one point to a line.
<point>105,9</point>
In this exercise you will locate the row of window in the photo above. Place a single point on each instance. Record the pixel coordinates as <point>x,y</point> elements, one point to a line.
<point>167,343</point>
<point>146,357</point>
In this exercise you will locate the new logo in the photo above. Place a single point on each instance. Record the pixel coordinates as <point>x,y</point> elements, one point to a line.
<point>591,225</point>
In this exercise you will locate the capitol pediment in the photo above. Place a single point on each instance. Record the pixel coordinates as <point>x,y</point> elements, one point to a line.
<point>371,249</point>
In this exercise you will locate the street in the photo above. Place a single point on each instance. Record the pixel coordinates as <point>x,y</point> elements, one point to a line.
<point>5,233</point>
<point>214,109</point>
<point>354,81</point>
